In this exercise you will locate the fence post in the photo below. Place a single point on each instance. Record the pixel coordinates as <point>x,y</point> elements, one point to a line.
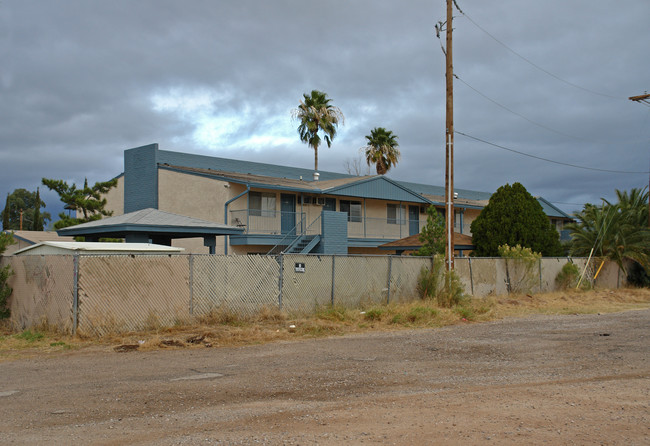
<point>333,269</point>
<point>540,275</point>
<point>390,267</point>
<point>75,294</point>
<point>280,279</point>
<point>191,264</point>
<point>471,276</point>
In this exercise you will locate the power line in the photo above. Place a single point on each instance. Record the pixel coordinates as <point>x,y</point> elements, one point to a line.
<point>535,65</point>
<point>546,159</point>
<point>545,127</point>
<point>515,113</point>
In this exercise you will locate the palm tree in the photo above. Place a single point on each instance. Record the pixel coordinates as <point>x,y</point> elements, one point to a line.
<point>614,231</point>
<point>634,205</point>
<point>382,149</point>
<point>316,115</point>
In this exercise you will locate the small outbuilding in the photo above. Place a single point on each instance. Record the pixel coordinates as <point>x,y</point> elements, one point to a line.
<point>23,239</point>
<point>70,248</point>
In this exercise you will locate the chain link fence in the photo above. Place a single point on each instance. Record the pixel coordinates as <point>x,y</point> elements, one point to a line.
<point>94,295</point>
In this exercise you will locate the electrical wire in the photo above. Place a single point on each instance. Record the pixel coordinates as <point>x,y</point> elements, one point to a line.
<point>535,65</point>
<point>547,159</point>
<point>545,127</point>
<point>515,113</point>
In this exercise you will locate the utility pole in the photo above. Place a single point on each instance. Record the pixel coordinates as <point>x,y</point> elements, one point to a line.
<point>645,98</point>
<point>449,142</point>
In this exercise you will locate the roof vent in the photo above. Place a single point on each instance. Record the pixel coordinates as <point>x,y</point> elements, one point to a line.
<point>316,176</point>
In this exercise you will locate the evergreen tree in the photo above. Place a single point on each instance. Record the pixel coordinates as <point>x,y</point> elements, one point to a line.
<point>432,235</point>
<point>86,202</point>
<point>5,215</point>
<point>514,217</point>
<point>25,202</point>
<point>37,219</point>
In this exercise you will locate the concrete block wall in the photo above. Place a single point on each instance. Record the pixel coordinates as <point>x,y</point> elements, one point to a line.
<point>141,178</point>
<point>334,233</point>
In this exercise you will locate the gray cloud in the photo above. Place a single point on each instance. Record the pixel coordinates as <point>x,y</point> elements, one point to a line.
<point>80,81</point>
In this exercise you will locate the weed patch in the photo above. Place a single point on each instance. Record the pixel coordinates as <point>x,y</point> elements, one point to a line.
<point>374,314</point>
<point>30,336</point>
<point>221,328</point>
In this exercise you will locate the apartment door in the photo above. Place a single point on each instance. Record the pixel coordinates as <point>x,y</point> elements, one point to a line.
<point>288,214</point>
<point>414,220</point>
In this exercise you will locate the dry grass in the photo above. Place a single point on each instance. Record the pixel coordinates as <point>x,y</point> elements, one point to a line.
<point>222,328</point>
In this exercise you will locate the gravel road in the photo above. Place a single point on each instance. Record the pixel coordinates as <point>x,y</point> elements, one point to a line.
<point>579,379</point>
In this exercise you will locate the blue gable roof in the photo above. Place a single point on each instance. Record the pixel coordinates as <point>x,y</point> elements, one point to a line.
<point>378,187</point>
<point>239,166</point>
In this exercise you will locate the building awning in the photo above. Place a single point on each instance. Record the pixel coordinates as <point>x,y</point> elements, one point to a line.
<point>151,226</point>
<point>462,242</point>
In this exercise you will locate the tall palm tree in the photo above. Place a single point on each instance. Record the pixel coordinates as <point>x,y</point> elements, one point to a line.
<point>382,149</point>
<point>614,231</point>
<point>634,205</point>
<point>317,115</point>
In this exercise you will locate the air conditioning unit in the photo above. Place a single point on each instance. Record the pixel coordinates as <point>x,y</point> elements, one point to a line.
<point>319,201</point>
<point>307,199</point>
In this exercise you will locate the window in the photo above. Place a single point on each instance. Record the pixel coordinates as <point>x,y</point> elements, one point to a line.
<point>262,204</point>
<point>353,209</point>
<point>396,214</point>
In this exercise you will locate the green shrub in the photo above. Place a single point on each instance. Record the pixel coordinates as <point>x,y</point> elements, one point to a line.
<point>6,239</point>
<point>443,286</point>
<point>568,276</point>
<point>521,274</point>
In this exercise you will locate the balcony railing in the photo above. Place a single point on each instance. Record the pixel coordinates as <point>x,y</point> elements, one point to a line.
<point>277,222</point>
<point>255,221</point>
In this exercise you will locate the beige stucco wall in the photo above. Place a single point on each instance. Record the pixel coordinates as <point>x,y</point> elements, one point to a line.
<point>124,293</point>
<point>42,291</point>
<point>194,196</point>
<point>115,198</point>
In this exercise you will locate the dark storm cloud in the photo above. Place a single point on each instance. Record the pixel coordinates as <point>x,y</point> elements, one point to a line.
<point>80,81</point>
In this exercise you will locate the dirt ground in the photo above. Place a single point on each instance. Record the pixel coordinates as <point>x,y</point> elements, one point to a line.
<point>577,379</point>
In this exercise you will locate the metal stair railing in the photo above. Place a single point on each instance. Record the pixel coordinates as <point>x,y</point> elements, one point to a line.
<point>284,241</point>
<point>296,240</point>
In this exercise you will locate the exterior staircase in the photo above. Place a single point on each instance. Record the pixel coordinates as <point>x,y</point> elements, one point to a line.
<point>303,244</point>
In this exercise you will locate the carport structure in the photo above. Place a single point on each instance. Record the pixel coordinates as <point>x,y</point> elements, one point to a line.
<point>152,226</point>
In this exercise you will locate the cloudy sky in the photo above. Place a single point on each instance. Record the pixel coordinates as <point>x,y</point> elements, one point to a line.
<point>83,80</point>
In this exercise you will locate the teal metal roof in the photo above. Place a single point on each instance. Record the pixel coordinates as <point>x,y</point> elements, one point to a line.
<point>150,221</point>
<point>239,166</point>
<point>378,187</point>
<point>552,211</point>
